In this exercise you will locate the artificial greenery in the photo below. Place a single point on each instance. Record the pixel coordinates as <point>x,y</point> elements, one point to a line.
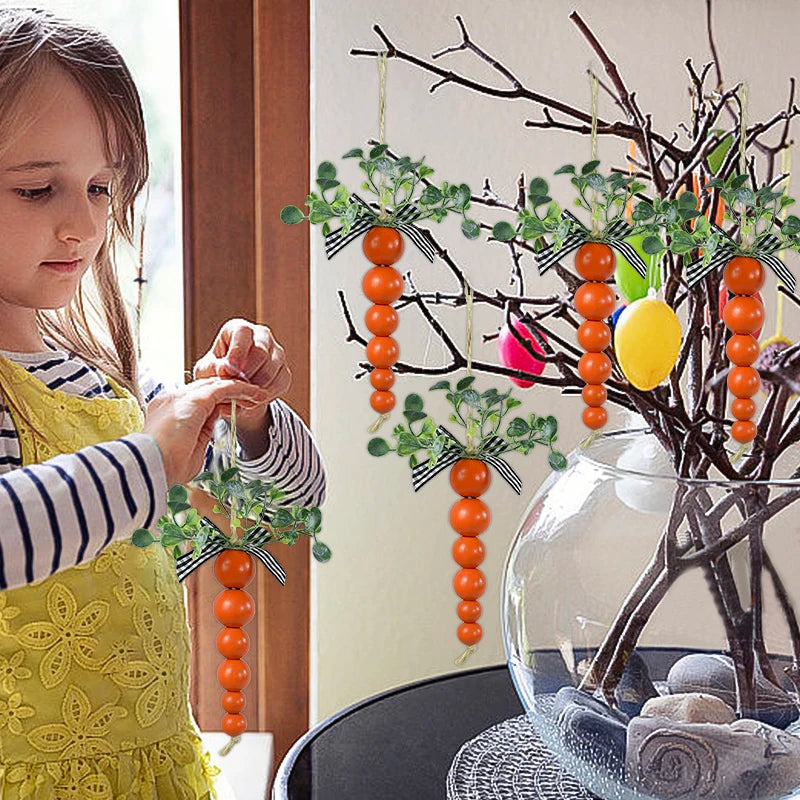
<point>248,505</point>
<point>399,184</point>
<point>603,196</point>
<point>481,415</point>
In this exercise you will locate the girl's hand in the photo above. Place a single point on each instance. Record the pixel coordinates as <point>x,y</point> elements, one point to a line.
<point>250,353</point>
<point>182,422</point>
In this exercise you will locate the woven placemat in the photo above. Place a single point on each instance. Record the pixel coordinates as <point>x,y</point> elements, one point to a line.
<point>509,762</point>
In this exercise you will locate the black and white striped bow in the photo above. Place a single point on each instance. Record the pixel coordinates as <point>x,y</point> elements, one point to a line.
<point>188,563</point>
<point>697,270</point>
<point>421,474</point>
<point>334,241</point>
<point>614,237</point>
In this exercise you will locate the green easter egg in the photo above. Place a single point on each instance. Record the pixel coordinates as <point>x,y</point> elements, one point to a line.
<point>631,285</point>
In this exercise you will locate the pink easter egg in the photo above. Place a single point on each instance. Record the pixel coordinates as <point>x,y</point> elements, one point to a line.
<point>514,355</point>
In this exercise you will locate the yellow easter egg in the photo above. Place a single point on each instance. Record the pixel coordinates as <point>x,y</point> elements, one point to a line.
<point>647,341</point>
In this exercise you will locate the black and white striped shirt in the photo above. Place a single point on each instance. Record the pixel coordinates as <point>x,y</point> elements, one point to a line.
<point>65,510</point>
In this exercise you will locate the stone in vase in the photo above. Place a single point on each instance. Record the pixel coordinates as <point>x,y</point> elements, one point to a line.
<point>714,674</point>
<point>569,695</point>
<point>690,707</point>
<point>597,738</point>
<point>668,759</point>
<point>635,687</point>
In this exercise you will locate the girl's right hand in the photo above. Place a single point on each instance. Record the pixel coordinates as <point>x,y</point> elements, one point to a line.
<point>182,421</point>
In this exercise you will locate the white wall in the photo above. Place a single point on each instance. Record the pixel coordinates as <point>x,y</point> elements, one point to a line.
<point>384,607</point>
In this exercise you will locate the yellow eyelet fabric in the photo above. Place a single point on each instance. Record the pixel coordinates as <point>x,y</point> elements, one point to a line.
<point>94,660</point>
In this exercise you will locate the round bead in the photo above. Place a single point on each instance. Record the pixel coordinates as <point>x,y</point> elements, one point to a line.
<point>743,408</point>
<point>594,367</point>
<point>594,418</point>
<point>469,610</point>
<point>470,477</point>
<point>743,349</point>
<point>470,516</point>
<point>382,351</point>
<point>234,608</point>
<point>382,402</point>
<point>595,261</point>
<point>234,569</point>
<point>233,702</point>
<point>594,395</point>
<point>233,674</point>
<point>381,320</point>
<point>594,336</point>
<point>470,633</point>
<point>468,552</point>
<point>744,275</point>
<point>744,432</point>
<point>234,724</point>
<point>381,379</point>
<point>383,245</point>
<point>594,301</point>
<point>233,642</point>
<point>743,314</point>
<point>469,584</point>
<point>382,285</point>
<point>743,381</point>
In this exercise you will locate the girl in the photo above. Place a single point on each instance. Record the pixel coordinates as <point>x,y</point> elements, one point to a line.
<point>93,636</point>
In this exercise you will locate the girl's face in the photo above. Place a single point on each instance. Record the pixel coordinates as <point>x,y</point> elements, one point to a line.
<point>55,182</point>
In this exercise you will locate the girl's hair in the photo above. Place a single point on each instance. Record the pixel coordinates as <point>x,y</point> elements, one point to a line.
<point>33,42</point>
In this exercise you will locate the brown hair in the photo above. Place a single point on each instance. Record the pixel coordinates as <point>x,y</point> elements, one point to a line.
<point>33,41</point>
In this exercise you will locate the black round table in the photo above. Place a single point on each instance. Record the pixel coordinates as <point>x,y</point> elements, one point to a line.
<point>397,745</point>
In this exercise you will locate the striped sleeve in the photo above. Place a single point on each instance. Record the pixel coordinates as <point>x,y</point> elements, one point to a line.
<point>292,460</point>
<point>65,510</point>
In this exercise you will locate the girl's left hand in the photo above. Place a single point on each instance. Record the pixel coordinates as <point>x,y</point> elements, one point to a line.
<point>250,353</point>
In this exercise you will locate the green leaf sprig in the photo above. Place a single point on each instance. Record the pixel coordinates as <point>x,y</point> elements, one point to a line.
<point>603,196</point>
<point>398,185</point>
<point>481,415</point>
<point>249,505</point>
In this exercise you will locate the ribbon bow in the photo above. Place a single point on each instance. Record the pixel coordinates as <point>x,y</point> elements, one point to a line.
<point>698,270</point>
<point>188,563</point>
<point>334,241</point>
<point>421,474</point>
<point>614,236</point>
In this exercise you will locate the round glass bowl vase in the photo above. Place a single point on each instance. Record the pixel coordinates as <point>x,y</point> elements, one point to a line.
<point>650,626</point>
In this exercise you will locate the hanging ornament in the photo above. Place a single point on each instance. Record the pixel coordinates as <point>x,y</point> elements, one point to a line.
<point>616,315</point>
<point>650,490</point>
<point>632,286</point>
<point>515,356</point>
<point>647,340</point>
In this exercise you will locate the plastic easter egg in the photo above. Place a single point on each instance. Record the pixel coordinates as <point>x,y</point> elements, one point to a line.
<point>644,491</point>
<point>647,340</point>
<point>514,355</point>
<point>632,286</point>
<point>616,315</point>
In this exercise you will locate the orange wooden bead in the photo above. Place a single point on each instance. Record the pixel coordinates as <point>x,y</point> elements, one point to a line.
<point>234,724</point>
<point>469,610</point>
<point>744,432</point>
<point>383,245</point>
<point>743,349</point>
<point>233,702</point>
<point>595,261</point>
<point>381,379</point>
<point>470,477</point>
<point>470,633</point>
<point>594,395</point>
<point>382,402</point>
<point>743,381</point>
<point>381,320</point>
<point>233,642</point>
<point>594,301</point>
<point>594,336</point>
<point>468,551</point>
<point>744,275</point>
<point>743,408</point>
<point>743,314</point>
<point>382,285</point>
<point>469,584</point>
<point>470,516</point>
<point>233,674</point>
<point>382,351</point>
<point>594,418</point>
<point>594,367</point>
<point>234,569</point>
<point>234,608</point>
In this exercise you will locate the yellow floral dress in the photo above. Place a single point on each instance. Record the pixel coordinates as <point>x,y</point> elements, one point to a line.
<point>94,660</point>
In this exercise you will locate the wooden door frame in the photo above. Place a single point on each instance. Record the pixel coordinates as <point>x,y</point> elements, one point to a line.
<point>245,107</point>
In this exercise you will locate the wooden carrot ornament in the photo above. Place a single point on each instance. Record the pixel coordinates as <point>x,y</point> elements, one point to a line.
<point>470,463</point>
